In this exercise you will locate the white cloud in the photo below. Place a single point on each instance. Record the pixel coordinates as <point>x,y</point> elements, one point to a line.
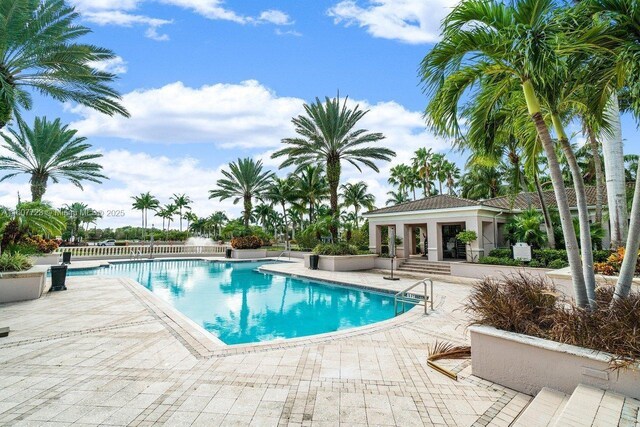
<point>115,65</point>
<point>276,17</point>
<point>123,19</point>
<point>119,12</point>
<point>294,33</point>
<point>409,21</point>
<point>227,116</point>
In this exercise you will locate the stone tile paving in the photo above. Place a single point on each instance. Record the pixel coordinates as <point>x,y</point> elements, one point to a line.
<point>108,352</point>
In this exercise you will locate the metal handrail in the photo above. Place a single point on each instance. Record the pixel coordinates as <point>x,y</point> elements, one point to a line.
<point>405,297</point>
<point>282,253</point>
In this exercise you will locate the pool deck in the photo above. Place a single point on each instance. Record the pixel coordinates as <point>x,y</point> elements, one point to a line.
<point>108,352</point>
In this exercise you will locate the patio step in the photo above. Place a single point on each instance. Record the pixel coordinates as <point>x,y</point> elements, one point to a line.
<point>590,406</point>
<point>427,267</point>
<point>543,410</point>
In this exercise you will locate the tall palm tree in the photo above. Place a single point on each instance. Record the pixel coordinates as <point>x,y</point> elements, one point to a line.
<point>190,217</point>
<point>77,214</point>
<point>181,201</point>
<point>170,210</point>
<point>452,175</point>
<point>283,191</point>
<point>39,52</point>
<point>145,202</point>
<point>422,162</point>
<point>507,45</point>
<point>405,178</point>
<point>312,183</point>
<point>396,198</point>
<point>481,183</point>
<point>264,213</point>
<point>217,220</point>
<point>328,135</point>
<point>358,196</point>
<point>49,150</point>
<point>245,180</point>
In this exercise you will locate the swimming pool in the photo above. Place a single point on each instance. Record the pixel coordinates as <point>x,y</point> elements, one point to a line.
<point>239,304</point>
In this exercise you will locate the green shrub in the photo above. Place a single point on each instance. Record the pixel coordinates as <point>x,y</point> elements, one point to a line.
<point>307,239</point>
<point>557,264</point>
<point>536,264</point>
<point>500,253</point>
<point>341,248</point>
<point>499,261</point>
<point>14,262</point>
<point>246,242</point>
<point>546,256</point>
<point>601,255</point>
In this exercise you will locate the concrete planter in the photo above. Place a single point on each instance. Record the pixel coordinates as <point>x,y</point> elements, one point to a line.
<point>23,285</point>
<point>527,364</point>
<point>249,253</point>
<point>562,279</point>
<point>480,271</point>
<point>344,262</point>
<point>47,259</point>
<point>384,263</point>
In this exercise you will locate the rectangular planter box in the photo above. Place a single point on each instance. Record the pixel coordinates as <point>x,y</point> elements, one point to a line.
<point>527,364</point>
<point>23,285</point>
<point>48,259</point>
<point>344,262</point>
<point>562,279</point>
<point>249,253</point>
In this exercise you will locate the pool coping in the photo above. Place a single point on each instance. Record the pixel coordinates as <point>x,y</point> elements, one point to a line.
<point>202,343</point>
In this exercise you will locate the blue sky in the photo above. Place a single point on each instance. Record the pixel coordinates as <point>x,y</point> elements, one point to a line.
<point>209,81</point>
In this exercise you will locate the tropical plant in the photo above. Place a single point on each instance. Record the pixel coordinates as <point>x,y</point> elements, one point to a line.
<point>244,180</point>
<point>31,218</point>
<point>143,203</point>
<point>422,163</point>
<point>481,183</point>
<point>467,237</point>
<point>356,195</point>
<point>527,227</point>
<point>169,210</point>
<point>78,213</point>
<point>181,201</point>
<point>39,51</point>
<point>312,183</point>
<point>507,46</point>
<point>49,150</point>
<point>405,178</point>
<point>14,262</point>
<point>216,220</point>
<point>396,198</point>
<point>282,191</point>
<point>327,135</point>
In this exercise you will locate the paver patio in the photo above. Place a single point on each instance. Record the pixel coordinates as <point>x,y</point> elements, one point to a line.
<point>108,352</point>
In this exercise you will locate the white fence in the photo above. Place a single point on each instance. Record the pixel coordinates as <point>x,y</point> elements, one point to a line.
<point>141,251</point>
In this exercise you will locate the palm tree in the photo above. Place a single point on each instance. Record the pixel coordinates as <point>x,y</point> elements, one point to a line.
<point>312,183</point>
<point>190,217</point>
<point>77,214</point>
<point>405,178</point>
<point>327,135</point>
<point>181,201</point>
<point>481,183</point>
<point>49,150</point>
<point>217,220</point>
<point>264,213</point>
<point>39,52</point>
<point>282,191</point>
<point>496,41</point>
<point>143,203</point>
<point>357,195</point>
<point>244,181</point>
<point>422,162</point>
<point>452,175</point>
<point>437,161</point>
<point>169,211</point>
<point>396,198</point>
<point>31,217</point>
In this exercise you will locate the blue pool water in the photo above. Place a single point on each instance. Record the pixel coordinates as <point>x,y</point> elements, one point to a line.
<point>238,304</point>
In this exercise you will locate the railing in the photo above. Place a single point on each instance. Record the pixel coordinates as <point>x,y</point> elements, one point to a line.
<point>281,255</point>
<point>142,251</point>
<point>405,296</point>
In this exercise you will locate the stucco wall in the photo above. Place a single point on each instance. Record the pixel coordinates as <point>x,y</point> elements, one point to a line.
<point>249,253</point>
<point>344,262</point>
<point>527,364</point>
<point>480,271</point>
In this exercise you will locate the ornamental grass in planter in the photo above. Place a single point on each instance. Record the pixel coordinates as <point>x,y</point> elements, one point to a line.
<point>10,262</point>
<point>530,305</point>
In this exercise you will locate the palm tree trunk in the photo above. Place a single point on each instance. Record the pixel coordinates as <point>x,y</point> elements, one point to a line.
<point>586,246</point>
<point>355,207</point>
<point>571,242</point>
<point>38,187</point>
<point>628,268</point>
<point>311,203</point>
<point>181,219</point>
<point>286,226</point>
<point>548,225</point>
<point>595,153</point>
<point>247,209</point>
<point>614,170</point>
<point>333,177</point>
